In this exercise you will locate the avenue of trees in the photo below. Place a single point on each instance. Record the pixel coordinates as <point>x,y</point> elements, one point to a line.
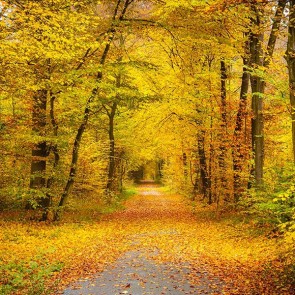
<point>200,93</point>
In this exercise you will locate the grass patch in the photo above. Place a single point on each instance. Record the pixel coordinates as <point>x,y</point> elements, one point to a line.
<point>28,277</point>
<point>33,255</point>
<point>118,200</point>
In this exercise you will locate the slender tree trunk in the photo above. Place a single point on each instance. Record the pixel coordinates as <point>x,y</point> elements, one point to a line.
<point>53,148</point>
<point>223,77</point>
<point>185,165</point>
<point>75,154</point>
<point>223,131</point>
<point>290,57</point>
<point>40,149</point>
<point>238,146</point>
<point>257,86</point>
<point>112,152</point>
<point>159,172</point>
<point>204,175</point>
<point>272,40</point>
<point>213,195</point>
<point>120,163</point>
<point>112,162</point>
<point>76,147</point>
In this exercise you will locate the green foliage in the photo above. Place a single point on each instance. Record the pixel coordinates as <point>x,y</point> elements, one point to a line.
<point>128,193</point>
<point>274,202</point>
<point>117,200</point>
<point>286,204</point>
<point>274,207</point>
<point>31,276</point>
<point>286,200</point>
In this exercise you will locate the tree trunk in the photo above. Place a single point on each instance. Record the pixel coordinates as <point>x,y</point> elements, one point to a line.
<point>238,147</point>
<point>223,77</point>
<point>75,154</point>
<point>120,163</point>
<point>204,175</point>
<point>111,187</point>
<point>78,138</point>
<point>185,165</point>
<point>112,162</point>
<point>274,31</point>
<point>40,149</point>
<point>160,166</point>
<point>290,57</point>
<point>223,131</point>
<point>52,148</point>
<point>258,84</point>
<point>80,132</point>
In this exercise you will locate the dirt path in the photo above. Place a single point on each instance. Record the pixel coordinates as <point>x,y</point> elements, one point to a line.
<point>157,246</point>
<point>146,268</point>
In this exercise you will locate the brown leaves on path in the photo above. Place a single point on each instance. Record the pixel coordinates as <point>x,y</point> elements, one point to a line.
<point>162,227</point>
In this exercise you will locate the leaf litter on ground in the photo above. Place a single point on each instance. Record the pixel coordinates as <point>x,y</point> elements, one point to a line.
<point>162,227</point>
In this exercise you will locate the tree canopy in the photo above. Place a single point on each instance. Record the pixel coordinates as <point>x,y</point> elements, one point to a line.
<point>195,94</point>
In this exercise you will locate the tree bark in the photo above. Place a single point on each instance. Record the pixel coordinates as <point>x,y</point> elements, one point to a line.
<point>257,60</point>
<point>238,147</point>
<point>111,187</point>
<point>257,85</point>
<point>40,149</point>
<point>120,164</point>
<point>53,147</point>
<point>112,162</point>
<point>223,131</point>
<point>185,165</point>
<point>204,175</point>
<point>274,31</point>
<point>290,57</point>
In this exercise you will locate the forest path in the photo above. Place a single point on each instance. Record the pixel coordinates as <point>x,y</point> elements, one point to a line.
<point>154,264</point>
<point>160,244</point>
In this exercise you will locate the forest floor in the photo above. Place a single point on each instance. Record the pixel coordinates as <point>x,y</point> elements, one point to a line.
<point>159,244</point>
